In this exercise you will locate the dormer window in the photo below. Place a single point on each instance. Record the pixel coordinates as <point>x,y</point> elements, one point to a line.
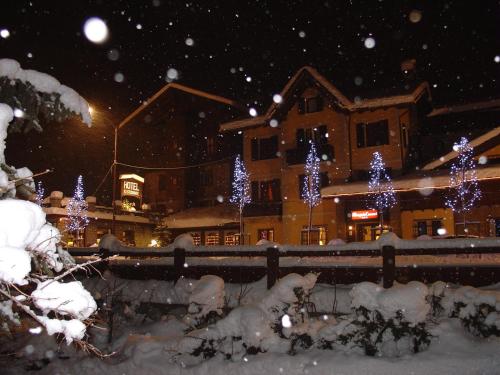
<point>310,104</point>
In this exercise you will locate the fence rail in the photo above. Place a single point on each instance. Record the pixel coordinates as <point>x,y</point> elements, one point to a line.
<point>387,253</point>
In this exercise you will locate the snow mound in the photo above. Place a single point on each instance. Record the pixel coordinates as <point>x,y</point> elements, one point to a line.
<point>336,241</point>
<point>45,244</point>
<point>410,299</point>
<point>388,239</point>
<point>207,296</point>
<point>65,298</point>
<point>15,264</point>
<point>20,222</point>
<point>283,291</point>
<point>184,241</point>
<point>110,242</point>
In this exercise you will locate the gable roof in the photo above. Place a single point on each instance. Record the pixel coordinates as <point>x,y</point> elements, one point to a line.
<point>341,100</point>
<point>177,86</point>
<point>480,144</point>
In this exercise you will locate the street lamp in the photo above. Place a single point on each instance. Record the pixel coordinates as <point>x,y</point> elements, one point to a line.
<point>99,115</point>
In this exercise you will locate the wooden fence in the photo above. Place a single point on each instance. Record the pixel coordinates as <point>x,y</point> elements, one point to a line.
<point>273,254</point>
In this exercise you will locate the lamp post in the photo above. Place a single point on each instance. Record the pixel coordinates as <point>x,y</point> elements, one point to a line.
<point>115,151</point>
<point>100,115</point>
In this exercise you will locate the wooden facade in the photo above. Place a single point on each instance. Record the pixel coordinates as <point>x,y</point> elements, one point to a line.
<point>346,134</point>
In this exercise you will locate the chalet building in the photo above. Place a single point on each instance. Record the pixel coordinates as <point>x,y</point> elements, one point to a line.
<point>173,142</point>
<point>132,228</point>
<point>346,133</point>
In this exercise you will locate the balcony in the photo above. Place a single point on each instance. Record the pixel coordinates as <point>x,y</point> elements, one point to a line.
<point>262,209</point>
<point>299,155</point>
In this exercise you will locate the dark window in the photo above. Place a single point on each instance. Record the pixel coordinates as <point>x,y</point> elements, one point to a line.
<point>255,191</point>
<point>372,134</point>
<point>264,148</point>
<point>310,105</point>
<point>318,135</point>
<point>427,227</point>
<point>162,182</point>
<point>323,182</point>
<point>206,177</point>
<point>497,227</point>
<point>266,191</point>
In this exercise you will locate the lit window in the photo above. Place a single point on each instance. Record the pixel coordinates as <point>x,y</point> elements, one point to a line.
<point>231,239</point>
<point>196,238</point>
<point>317,235</point>
<point>212,238</point>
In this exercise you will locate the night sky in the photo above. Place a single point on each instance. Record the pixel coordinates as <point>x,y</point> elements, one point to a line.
<point>247,50</point>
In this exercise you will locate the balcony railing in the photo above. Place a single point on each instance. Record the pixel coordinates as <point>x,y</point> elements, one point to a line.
<point>262,209</point>
<point>299,155</point>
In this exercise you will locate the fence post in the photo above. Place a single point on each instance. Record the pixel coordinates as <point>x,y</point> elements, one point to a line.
<point>105,254</point>
<point>388,265</point>
<point>179,261</point>
<point>273,266</point>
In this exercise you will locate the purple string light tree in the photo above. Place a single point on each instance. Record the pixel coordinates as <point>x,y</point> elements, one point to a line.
<point>382,195</point>
<point>464,189</point>
<point>241,190</point>
<point>311,185</point>
<point>39,193</point>
<point>77,211</point>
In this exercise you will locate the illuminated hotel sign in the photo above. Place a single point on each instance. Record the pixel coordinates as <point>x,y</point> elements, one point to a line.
<point>131,191</point>
<point>364,215</point>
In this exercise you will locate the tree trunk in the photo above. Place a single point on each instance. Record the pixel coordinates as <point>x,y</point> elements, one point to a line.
<point>309,226</point>
<point>242,239</point>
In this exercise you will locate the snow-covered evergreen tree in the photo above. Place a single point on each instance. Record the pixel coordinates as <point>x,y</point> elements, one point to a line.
<point>311,185</point>
<point>464,190</point>
<point>77,210</point>
<point>241,190</point>
<point>382,194</point>
<point>30,250</point>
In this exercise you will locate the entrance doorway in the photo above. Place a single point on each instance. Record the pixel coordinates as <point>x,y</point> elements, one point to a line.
<point>367,231</point>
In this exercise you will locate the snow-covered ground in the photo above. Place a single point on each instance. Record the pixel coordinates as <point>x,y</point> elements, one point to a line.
<point>163,346</point>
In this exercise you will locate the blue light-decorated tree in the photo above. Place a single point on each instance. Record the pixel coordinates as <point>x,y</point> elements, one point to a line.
<point>77,210</point>
<point>241,190</point>
<point>382,195</point>
<point>464,190</point>
<point>311,185</point>
<point>39,194</point>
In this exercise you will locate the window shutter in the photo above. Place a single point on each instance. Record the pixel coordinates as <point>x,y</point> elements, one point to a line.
<point>255,191</point>
<point>301,140</point>
<point>360,135</point>
<point>255,149</point>
<point>302,105</point>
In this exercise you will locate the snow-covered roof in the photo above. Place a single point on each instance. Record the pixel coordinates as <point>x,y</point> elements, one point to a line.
<point>493,105</point>
<point>176,86</point>
<point>491,135</point>
<point>410,183</point>
<point>342,100</point>
<point>203,217</point>
<point>100,215</point>
<point>387,101</point>
<point>131,176</point>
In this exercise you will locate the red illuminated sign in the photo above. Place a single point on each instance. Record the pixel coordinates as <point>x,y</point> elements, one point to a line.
<point>364,215</point>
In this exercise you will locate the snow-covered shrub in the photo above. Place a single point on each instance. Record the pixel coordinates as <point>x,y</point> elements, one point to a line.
<point>206,302</point>
<point>277,323</point>
<point>478,310</point>
<point>25,237</point>
<point>389,322</point>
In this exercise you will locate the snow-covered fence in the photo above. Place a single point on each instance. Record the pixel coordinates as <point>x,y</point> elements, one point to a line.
<point>277,256</point>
